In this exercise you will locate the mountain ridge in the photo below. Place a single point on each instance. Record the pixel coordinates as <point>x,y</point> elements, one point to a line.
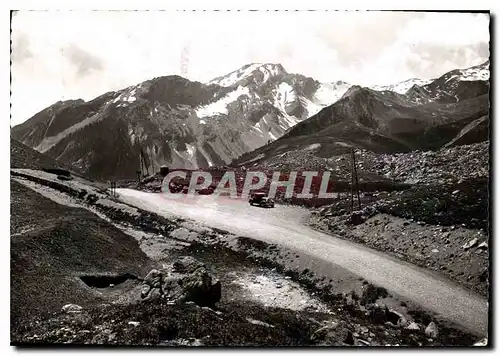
<point>427,117</point>
<point>173,121</point>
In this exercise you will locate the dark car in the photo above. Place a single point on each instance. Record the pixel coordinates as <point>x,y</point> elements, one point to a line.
<point>261,199</point>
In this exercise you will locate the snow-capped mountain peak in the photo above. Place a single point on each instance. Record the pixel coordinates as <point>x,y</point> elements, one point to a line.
<point>402,87</point>
<point>293,97</point>
<point>479,72</point>
<point>262,70</point>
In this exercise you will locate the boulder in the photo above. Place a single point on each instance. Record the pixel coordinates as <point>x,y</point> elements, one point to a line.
<point>187,264</point>
<point>413,326</point>
<point>325,332</point>
<point>356,218</point>
<point>483,245</point>
<point>189,282</point>
<point>153,280</point>
<point>72,308</point>
<point>482,342</point>
<point>396,318</point>
<point>431,330</point>
<point>470,244</point>
<point>199,288</point>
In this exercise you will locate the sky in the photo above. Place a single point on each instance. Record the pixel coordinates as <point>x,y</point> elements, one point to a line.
<point>83,54</point>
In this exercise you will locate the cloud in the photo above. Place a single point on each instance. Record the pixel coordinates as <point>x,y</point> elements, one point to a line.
<point>82,60</point>
<point>82,54</point>
<point>365,34</point>
<point>432,60</point>
<point>20,48</point>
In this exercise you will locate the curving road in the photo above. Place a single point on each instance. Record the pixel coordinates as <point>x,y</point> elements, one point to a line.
<point>284,225</point>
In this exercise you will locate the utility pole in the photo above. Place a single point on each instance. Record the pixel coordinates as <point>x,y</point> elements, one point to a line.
<point>113,188</point>
<point>352,183</point>
<point>139,172</point>
<point>354,180</point>
<point>151,159</point>
<point>144,160</point>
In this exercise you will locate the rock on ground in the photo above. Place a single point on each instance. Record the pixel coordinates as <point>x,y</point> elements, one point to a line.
<point>188,281</point>
<point>431,330</point>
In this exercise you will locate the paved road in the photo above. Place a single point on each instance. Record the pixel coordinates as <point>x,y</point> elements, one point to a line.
<point>284,225</point>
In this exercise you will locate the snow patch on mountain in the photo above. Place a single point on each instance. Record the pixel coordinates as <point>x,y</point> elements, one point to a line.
<point>474,73</point>
<point>312,107</point>
<point>325,95</point>
<point>268,70</point>
<point>220,106</point>
<point>233,77</point>
<point>402,87</point>
<point>128,95</point>
<point>328,93</point>
<point>257,127</point>
<point>265,73</point>
<point>284,95</point>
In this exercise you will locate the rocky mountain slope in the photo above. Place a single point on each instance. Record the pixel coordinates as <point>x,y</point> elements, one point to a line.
<point>451,110</point>
<point>441,222</point>
<point>171,120</point>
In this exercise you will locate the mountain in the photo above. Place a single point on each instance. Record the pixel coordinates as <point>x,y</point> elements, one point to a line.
<point>452,109</point>
<point>171,120</point>
<point>402,87</point>
<point>258,110</point>
<point>476,73</point>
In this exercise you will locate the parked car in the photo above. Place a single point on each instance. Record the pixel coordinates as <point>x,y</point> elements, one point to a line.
<point>261,199</point>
